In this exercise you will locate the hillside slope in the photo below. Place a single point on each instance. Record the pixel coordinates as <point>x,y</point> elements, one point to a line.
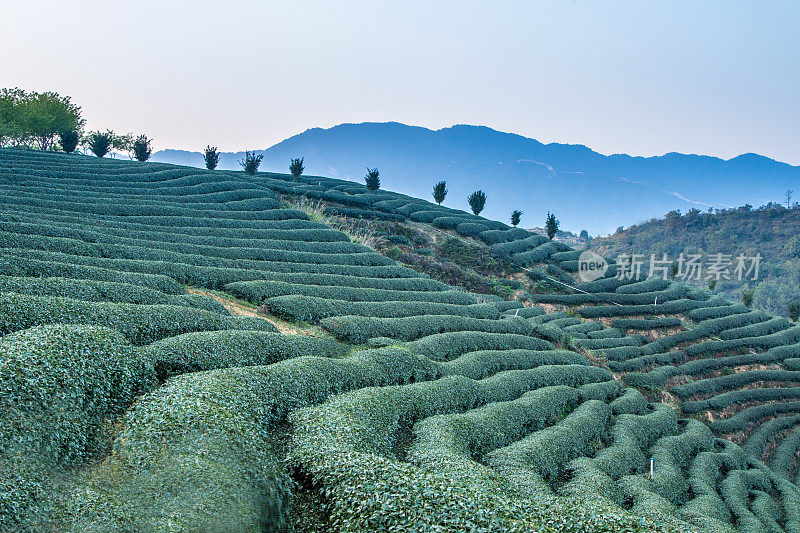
<point>771,231</point>
<point>586,189</point>
<point>406,404</point>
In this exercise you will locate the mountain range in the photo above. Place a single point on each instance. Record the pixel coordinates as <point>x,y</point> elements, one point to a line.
<point>585,189</point>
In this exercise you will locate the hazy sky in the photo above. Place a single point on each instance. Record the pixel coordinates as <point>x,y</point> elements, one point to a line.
<point>640,77</point>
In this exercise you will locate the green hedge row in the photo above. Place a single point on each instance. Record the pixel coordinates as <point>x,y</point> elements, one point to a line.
<point>205,439</point>
<point>732,381</point>
<point>483,363</point>
<point>260,290</point>
<point>781,338</point>
<point>645,323</point>
<point>323,234</point>
<point>738,397</point>
<point>672,458</point>
<point>141,324</point>
<point>123,251</point>
<point>448,346</point>
<point>313,309</point>
<point>359,329</point>
<point>767,327</point>
<point>208,350</point>
<point>674,292</point>
<point>757,442</point>
<point>662,308</point>
<point>658,377</point>
<point>61,384</point>
<point>612,342</point>
<point>207,276</point>
<point>743,418</point>
<point>103,291</point>
<point>545,453</point>
<point>506,249</point>
<point>219,247</point>
<point>20,266</point>
<point>705,313</point>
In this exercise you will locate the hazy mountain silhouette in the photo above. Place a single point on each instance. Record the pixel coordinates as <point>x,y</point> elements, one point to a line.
<point>585,189</point>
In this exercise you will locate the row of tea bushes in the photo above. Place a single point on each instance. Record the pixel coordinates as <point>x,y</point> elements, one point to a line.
<point>140,324</point>
<point>60,384</point>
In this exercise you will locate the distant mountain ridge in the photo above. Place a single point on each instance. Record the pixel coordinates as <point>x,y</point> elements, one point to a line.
<point>585,189</point>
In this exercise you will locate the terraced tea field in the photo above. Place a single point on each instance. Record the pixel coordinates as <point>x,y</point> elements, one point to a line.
<point>132,403</point>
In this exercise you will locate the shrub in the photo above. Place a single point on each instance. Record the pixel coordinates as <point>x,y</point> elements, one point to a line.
<point>251,162</point>
<point>477,200</point>
<point>793,310</point>
<point>211,157</point>
<point>142,148</point>
<point>372,179</point>
<point>358,329</point>
<point>296,167</point>
<point>100,142</point>
<point>470,229</point>
<point>439,192</point>
<point>69,140</point>
<point>141,324</point>
<point>516,214</point>
<point>208,350</point>
<point>313,309</point>
<point>448,346</point>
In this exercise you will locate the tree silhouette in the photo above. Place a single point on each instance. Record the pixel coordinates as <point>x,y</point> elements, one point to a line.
<point>551,225</point>
<point>515,216</point>
<point>373,179</point>
<point>296,167</point>
<point>212,157</point>
<point>251,162</point>
<point>142,148</point>
<point>477,201</point>
<point>439,192</point>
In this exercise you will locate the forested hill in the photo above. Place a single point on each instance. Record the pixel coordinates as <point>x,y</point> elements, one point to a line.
<point>771,230</point>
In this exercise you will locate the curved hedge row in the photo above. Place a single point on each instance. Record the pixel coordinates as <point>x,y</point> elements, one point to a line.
<point>312,309</point>
<point>209,350</point>
<point>645,323</point>
<point>448,346</point>
<point>359,329</point>
<point>99,291</point>
<point>732,381</point>
<point>260,290</point>
<point>19,266</point>
<point>483,363</point>
<point>758,440</point>
<point>60,384</point>
<point>674,292</point>
<point>740,420</point>
<point>739,397</point>
<point>141,324</point>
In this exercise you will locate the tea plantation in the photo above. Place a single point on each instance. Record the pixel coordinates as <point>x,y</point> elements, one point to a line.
<point>364,395</point>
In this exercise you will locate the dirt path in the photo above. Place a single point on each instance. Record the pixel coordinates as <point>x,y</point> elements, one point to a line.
<point>239,309</point>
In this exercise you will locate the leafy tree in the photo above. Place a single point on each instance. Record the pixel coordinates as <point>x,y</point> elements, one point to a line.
<point>142,148</point>
<point>9,112</point>
<point>584,235</point>
<point>477,201</point>
<point>251,162</point>
<point>36,118</point>
<point>100,142</point>
<point>515,216</point>
<point>551,225</point>
<point>373,179</point>
<point>747,296</point>
<point>713,285</point>
<point>122,143</point>
<point>794,311</point>
<point>296,167</point>
<point>211,157</point>
<point>69,140</point>
<point>439,192</point>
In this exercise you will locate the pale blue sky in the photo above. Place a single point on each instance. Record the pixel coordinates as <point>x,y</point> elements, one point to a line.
<point>640,77</point>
